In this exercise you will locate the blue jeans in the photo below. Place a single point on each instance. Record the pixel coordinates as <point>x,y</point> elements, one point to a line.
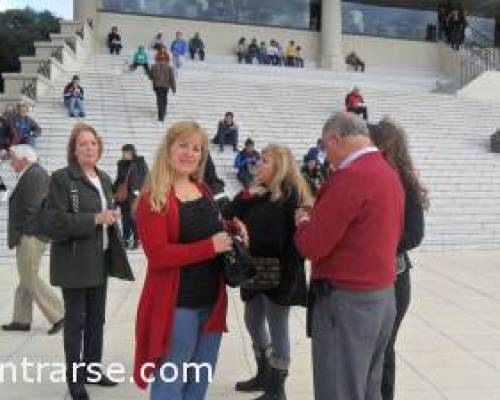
<point>75,106</point>
<point>177,61</point>
<point>188,344</point>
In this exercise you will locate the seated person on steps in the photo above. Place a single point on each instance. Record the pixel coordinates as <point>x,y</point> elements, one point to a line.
<point>245,163</point>
<point>227,132</point>
<point>73,98</point>
<point>354,103</point>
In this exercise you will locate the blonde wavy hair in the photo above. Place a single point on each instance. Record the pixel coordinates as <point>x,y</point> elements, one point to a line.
<point>286,176</point>
<point>161,177</point>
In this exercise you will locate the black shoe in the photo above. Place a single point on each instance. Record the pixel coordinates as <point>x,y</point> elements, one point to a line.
<point>82,115</point>
<point>77,391</point>
<point>56,327</point>
<point>135,245</point>
<point>275,387</point>
<point>126,244</point>
<point>103,380</point>
<point>16,327</point>
<point>258,382</point>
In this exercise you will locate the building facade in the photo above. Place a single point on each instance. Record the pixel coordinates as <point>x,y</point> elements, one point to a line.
<point>326,29</point>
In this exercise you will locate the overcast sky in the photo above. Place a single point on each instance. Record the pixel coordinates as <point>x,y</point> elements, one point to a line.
<point>60,8</point>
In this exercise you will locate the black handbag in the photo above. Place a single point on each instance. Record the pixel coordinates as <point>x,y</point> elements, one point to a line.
<point>268,274</point>
<point>238,264</point>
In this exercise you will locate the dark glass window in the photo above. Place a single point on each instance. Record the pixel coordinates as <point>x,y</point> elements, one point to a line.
<point>400,23</point>
<point>300,14</point>
<point>357,18</point>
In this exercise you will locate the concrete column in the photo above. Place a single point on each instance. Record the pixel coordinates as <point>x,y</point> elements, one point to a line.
<point>83,9</point>
<point>331,35</point>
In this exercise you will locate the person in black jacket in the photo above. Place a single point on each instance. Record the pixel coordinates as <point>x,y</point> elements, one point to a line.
<point>390,138</point>
<point>132,171</point>
<point>114,41</point>
<point>268,211</point>
<point>227,132</point>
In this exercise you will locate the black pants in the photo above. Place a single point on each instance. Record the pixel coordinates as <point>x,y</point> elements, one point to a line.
<point>403,294</point>
<point>115,48</point>
<point>201,53</point>
<point>134,66</point>
<point>84,315</point>
<point>161,102</point>
<point>228,138</point>
<point>360,111</point>
<point>128,223</point>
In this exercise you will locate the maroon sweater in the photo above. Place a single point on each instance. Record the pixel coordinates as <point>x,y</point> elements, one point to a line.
<point>355,226</point>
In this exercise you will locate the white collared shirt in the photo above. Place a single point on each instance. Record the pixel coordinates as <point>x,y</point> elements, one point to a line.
<point>357,154</point>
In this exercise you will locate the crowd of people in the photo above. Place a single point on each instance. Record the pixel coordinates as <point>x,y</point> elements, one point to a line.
<point>272,54</point>
<point>358,188</point>
<point>354,209</point>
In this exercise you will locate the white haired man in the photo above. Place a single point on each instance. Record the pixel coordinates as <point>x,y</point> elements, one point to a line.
<point>351,237</point>
<point>24,202</point>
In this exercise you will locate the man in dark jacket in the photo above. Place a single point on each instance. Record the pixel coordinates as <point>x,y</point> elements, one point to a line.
<point>163,77</point>
<point>227,132</point>
<point>24,202</point>
<point>245,163</point>
<point>114,41</point>
<point>132,171</point>
<point>196,46</point>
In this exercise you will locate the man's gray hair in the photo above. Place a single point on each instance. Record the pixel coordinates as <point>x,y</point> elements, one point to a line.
<point>346,124</point>
<point>24,152</point>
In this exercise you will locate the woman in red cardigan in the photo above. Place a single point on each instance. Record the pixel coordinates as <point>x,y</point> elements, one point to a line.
<point>182,309</point>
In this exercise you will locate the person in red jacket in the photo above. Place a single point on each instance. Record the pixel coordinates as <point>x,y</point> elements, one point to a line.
<point>351,237</point>
<point>354,103</point>
<point>182,309</point>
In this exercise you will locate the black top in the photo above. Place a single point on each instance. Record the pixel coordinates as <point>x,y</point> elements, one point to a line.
<point>199,283</point>
<point>271,228</point>
<point>138,169</point>
<point>413,232</point>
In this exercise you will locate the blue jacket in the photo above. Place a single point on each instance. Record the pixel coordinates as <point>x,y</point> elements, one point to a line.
<point>179,47</point>
<point>243,159</point>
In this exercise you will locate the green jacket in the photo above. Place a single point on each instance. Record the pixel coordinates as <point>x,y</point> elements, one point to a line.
<point>77,258</point>
<point>140,57</point>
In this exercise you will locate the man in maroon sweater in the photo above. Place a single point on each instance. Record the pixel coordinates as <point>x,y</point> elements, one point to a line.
<point>351,237</point>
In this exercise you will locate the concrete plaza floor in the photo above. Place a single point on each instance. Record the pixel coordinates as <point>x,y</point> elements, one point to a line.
<point>449,346</point>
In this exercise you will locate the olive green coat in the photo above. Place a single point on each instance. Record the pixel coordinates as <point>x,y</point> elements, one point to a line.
<point>77,258</point>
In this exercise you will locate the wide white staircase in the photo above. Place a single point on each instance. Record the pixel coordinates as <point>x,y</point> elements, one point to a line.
<point>448,136</point>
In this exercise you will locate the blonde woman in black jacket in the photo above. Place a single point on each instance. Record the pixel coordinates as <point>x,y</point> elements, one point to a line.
<point>268,211</point>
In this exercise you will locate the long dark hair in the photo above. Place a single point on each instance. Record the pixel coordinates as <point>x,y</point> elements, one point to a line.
<point>391,140</point>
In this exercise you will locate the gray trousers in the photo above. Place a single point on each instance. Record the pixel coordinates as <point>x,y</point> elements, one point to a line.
<point>277,339</point>
<point>31,288</point>
<point>350,332</point>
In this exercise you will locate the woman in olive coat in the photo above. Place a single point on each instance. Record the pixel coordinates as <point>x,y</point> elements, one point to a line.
<point>86,249</point>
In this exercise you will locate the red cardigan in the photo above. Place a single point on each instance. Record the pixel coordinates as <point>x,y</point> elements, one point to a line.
<point>159,234</point>
<point>355,226</point>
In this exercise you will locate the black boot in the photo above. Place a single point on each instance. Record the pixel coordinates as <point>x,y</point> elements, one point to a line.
<point>275,388</point>
<point>258,382</point>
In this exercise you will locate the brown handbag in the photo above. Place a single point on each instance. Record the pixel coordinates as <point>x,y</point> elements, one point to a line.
<point>121,194</point>
<point>268,274</point>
